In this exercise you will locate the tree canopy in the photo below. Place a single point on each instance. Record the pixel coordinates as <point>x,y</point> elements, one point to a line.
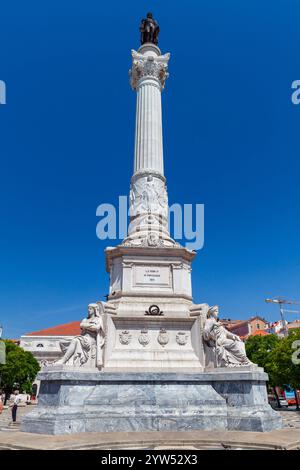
<point>285,368</point>
<point>259,350</point>
<point>20,369</point>
<point>277,357</point>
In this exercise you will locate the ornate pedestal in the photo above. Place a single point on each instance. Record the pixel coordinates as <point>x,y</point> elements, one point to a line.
<point>152,327</point>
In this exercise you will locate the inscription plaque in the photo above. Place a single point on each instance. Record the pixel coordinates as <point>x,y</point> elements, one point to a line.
<point>152,275</point>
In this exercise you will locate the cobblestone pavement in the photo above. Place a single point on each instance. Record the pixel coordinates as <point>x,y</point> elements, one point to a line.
<point>291,417</point>
<point>6,421</point>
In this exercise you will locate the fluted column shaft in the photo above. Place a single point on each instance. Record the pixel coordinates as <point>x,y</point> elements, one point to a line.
<point>148,75</point>
<point>148,154</point>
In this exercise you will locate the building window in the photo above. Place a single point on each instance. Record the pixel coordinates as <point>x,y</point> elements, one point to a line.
<point>39,345</point>
<point>257,326</point>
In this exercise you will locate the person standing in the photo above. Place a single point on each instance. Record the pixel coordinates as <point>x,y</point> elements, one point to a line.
<point>16,401</point>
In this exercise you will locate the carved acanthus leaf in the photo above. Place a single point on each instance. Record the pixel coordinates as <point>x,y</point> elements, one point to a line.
<point>148,66</point>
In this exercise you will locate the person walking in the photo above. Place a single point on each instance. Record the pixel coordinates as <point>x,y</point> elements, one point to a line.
<point>14,405</point>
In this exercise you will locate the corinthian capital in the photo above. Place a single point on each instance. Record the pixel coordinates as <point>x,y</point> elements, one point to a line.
<point>148,66</point>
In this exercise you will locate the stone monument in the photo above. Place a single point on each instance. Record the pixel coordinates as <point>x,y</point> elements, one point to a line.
<point>149,358</point>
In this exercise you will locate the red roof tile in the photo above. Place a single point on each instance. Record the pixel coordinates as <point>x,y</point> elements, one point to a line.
<point>67,329</point>
<point>259,333</point>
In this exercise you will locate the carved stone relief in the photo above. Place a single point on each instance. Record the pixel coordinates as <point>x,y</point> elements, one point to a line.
<point>144,337</point>
<point>163,337</point>
<point>148,195</point>
<point>148,66</point>
<point>182,338</point>
<point>125,337</point>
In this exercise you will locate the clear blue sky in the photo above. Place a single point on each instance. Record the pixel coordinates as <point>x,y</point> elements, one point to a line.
<point>231,141</point>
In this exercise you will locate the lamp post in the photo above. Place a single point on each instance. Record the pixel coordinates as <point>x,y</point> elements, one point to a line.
<point>280,302</point>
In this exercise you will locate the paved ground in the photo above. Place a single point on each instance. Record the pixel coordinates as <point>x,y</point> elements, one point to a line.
<point>5,418</point>
<point>291,417</point>
<point>288,438</point>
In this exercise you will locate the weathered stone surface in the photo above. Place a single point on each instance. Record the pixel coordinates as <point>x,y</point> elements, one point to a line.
<point>76,401</point>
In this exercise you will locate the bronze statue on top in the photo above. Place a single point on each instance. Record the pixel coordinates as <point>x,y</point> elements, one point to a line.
<point>149,30</point>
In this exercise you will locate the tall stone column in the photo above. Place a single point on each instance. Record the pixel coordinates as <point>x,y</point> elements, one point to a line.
<point>148,192</point>
<point>148,75</point>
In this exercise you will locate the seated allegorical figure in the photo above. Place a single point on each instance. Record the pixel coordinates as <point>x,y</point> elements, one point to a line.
<point>227,348</point>
<point>86,349</point>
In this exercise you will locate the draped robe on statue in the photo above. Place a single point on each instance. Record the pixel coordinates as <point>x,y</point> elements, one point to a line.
<point>229,349</point>
<point>88,346</point>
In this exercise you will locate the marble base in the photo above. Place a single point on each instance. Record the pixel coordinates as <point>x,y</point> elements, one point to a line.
<point>77,401</point>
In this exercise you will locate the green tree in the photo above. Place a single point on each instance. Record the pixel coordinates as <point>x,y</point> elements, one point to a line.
<point>259,349</point>
<point>286,370</point>
<point>275,355</point>
<point>20,369</point>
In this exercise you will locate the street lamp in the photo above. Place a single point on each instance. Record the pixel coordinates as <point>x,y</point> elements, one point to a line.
<point>280,302</point>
